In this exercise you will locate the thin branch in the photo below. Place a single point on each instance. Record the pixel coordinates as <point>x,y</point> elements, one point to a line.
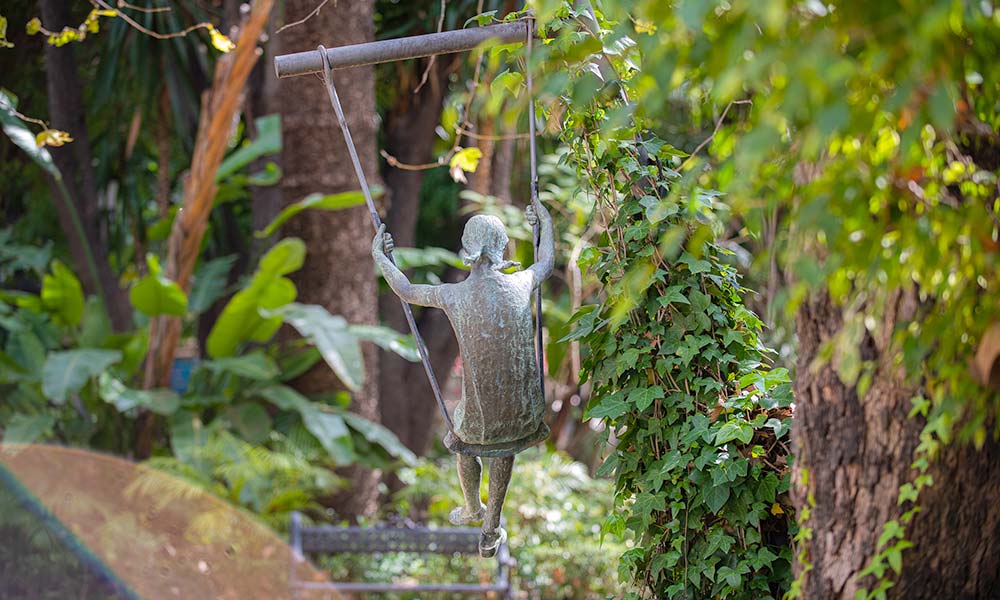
<point>493,138</point>
<point>430,63</point>
<point>150,32</point>
<point>395,162</point>
<point>718,126</point>
<point>123,4</point>
<point>30,119</point>
<point>312,14</point>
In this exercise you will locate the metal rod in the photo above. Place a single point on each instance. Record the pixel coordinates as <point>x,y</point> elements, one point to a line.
<point>446,42</point>
<point>377,223</point>
<point>536,231</point>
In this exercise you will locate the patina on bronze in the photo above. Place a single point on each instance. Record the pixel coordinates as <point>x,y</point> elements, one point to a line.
<point>502,404</point>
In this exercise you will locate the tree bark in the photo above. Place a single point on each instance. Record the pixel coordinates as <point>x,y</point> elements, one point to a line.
<point>857,451</point>
<point>410,138</point>
<point>87,241</point>
<point>338,272</point>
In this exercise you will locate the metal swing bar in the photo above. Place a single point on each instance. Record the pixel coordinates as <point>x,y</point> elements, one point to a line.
<point>322,60</point>
<point>417,46</point>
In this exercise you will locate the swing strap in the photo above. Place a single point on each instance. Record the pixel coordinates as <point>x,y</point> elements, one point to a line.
<point>377,223</point>
<point>536,230</point>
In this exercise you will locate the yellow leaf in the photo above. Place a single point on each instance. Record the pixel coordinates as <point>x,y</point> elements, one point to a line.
<point>91,24</point>
<point>33,26</point>
<point>644,26</point>
<point>466,159</point>
<point>776,509</point>
<point>221,42</point>
<point>52,137</point>
<point>4,43</point>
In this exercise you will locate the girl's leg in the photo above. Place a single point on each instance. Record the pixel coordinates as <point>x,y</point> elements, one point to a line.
<point>470,472</point>
<point>493,535</point>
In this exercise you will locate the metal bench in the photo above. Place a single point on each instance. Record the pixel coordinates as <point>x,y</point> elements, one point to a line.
<point>327,539</point>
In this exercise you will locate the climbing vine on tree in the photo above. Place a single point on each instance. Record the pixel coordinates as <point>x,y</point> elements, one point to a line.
<point>697,419</point>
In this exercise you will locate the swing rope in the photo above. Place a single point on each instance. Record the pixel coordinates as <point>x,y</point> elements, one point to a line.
<point>377,221</point>
<point>536,230</point>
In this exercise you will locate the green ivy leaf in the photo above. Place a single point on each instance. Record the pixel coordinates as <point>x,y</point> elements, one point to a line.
<point>715,497</point>
<point>735,429</point>
<point>609,407</point>
<point>643,398</point>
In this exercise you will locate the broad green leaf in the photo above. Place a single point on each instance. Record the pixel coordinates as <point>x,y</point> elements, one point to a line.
<point>66,372</point>
<point>251,421</point>
<point>287,256</point>
<point>315,201</point>
<point>209,283</point>
<point>332,433</point>
<point>161,401</point>
<point>481,19</point>
<point>735,429</point>
<point>609,407</point>
<point>95,327</point>
<point>255,365</point>
<point>642,398</point>
<point>411,258</point>
<point>155,294</point>
<point>508,82</point>
<point>241,320</point>
<point>187,435</point>
<point>26,429</point>
<point>284,397</point>
<point>387,339</point>
<point>380,436</point>
<point>331,336</point>
<point>267,142</point>
<point>715,496</point>
<point>62,294</point>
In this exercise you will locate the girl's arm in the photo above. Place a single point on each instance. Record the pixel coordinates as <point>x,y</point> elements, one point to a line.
<point>546,247</point>
<point>422,295</point>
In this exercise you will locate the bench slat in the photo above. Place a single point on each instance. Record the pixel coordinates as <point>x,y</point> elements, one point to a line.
<point>327,539</point>
<point>391,587</point>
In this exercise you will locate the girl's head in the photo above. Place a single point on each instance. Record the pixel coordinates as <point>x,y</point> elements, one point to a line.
<point>485,239</point>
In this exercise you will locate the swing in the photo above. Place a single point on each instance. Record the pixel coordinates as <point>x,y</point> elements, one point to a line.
<point>418,46</point>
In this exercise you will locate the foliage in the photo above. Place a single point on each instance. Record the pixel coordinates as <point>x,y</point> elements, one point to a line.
<point>554,512</point>
<point>67,376</point>
<point>871,128</point>
<point>271,481</point>
<point>697,418</point>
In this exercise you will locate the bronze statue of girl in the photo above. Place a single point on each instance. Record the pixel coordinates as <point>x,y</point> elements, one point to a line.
<point>502,404</point>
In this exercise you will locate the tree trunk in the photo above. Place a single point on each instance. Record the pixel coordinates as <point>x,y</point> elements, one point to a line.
<point>410,138</point>
<point>857,451</point>
<point>87,242</point>
<point>338,273</point>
